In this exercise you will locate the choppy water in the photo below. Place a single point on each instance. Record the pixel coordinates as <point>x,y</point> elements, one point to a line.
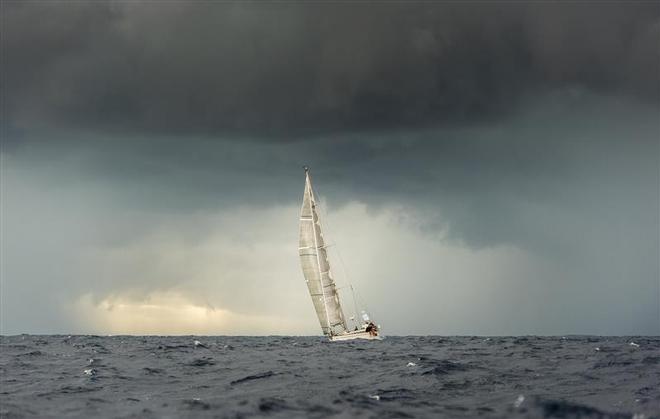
<point>127,376</point>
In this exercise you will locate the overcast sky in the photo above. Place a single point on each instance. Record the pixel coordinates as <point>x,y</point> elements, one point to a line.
<point>484,168</point>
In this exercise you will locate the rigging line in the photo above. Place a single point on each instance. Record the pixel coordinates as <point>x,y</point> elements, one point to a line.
<point>320,214</point>
<point>327,228</point>
<point>353,294</point>
<point>355,306</point>
<point>357,299</point>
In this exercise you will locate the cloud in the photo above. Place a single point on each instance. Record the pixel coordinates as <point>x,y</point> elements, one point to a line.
<point>571,160</point>
<point>293,70</point>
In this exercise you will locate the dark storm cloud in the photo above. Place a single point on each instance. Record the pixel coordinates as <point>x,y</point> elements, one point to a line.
<point>487,184</point>
<point>291,69</point>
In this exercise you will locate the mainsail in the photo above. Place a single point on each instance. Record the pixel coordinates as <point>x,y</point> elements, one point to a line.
<point>316,268</point>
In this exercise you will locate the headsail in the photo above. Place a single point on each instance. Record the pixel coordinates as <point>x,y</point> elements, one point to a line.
<point>316,268</point>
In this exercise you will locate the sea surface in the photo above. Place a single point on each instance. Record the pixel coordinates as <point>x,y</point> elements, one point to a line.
<point>399,377</point>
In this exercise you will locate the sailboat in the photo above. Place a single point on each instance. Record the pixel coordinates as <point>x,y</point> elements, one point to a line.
<point>318,276</point>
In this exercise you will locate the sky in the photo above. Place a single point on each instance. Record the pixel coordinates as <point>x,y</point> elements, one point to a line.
<point>483,168</point>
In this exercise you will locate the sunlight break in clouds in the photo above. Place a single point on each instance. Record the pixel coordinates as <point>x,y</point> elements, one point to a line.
<point>169,313</point>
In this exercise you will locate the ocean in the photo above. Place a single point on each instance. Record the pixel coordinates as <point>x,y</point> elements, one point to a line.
<point>309,377</point>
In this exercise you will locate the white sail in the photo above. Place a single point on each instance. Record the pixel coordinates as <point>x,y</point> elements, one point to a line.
<point>316,268</point>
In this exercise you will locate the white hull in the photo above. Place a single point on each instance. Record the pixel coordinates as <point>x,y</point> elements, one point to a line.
<point>355,335</point>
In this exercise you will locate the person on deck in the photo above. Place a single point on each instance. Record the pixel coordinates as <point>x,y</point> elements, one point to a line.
<point>372,329</point>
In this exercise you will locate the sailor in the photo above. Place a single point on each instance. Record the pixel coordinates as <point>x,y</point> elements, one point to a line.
<point>372,329</point>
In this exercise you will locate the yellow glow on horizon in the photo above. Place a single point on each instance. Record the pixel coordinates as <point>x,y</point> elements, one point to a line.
<point>171,313</point>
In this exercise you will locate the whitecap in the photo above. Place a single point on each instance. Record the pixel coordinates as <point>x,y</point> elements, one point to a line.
<point>519,401</point>
<point>200,344</point>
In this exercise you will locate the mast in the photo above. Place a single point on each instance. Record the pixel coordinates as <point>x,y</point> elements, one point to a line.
<point>316,246</point>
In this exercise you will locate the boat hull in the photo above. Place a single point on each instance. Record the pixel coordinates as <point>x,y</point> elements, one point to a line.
<point>355,335</point>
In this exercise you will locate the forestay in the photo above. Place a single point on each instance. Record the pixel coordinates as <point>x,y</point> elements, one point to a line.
<point>316,268</point>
